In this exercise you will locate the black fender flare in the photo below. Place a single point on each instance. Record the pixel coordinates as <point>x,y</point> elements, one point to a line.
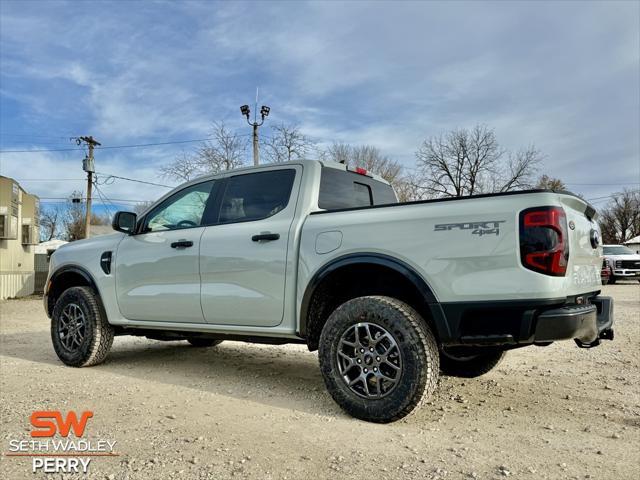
<point>437,314</point>
<point>61,271</point>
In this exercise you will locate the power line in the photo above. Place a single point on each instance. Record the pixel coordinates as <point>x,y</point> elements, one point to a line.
<point>603,184</point>
<point>66,200</point>
<point>128,200</point>
<point>108,147</point>
<point>609,196</point>
<point>105,198</point>
<point>30,135</point>
<point>49,179</point>
<point>104,182</point>
<point>75,149</point>
<point>109,176</point>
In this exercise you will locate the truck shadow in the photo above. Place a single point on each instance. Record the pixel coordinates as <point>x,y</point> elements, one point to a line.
<point>279,376</point>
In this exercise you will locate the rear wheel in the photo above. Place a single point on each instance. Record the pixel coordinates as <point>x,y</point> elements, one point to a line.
<point>379,358</point>
<point>80,332</point>
<point>612,280</point>
<point>203,342</point>
<point>457,364</point>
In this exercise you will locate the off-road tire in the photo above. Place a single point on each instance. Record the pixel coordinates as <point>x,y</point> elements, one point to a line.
<point>203,342</point>
<point>98,333</point>
<point>418,377</point>
<point>472,366</point>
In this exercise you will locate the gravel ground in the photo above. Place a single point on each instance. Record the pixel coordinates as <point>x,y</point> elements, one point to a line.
<point>261,412</point>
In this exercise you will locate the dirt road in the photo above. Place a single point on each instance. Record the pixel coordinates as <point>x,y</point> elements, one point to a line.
<point>261,412</point>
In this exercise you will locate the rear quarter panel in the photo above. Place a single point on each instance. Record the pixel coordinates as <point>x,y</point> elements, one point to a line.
<point>458,264</point>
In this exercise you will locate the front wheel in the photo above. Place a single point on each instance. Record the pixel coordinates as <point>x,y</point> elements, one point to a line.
<point>459,364</point>
<point>80,332</point>
<point>379,358</point>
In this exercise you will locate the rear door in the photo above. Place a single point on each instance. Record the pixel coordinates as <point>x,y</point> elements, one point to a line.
<point>157,270</point>
<point>244,257</point>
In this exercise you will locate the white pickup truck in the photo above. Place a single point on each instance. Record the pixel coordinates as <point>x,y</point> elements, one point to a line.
<point>391,294</point>
<point>624,263</point>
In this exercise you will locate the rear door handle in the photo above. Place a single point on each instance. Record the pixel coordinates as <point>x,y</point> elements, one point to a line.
<point>182,244</point>
<point>266,237</point>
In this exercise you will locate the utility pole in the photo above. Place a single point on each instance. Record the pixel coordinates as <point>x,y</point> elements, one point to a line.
<point>264,112</point>
<point>256,146</point>
<point>88,165</point>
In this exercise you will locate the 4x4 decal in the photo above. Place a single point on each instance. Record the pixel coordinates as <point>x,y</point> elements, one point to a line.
<point>477,228</point>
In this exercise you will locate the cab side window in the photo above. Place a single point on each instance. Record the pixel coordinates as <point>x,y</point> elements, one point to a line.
<point>185,209</point>
<point>255,196</point>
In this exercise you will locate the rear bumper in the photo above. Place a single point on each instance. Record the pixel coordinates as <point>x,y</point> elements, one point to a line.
<point>538,322</point>
<point>584,323</point>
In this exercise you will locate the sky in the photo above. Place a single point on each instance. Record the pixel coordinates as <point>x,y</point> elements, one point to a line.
<point>563,76</point>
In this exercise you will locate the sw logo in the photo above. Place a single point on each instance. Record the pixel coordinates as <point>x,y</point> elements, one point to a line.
<point>46,424</point>
<point>50,422</point>
<point>57,443</point>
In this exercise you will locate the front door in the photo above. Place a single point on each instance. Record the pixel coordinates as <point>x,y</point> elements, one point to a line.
<point>244,257</point>
<point>157,269</point>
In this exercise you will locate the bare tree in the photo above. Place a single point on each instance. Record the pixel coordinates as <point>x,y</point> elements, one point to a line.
<point>365,156</point>
<point>620,220</point>
<point>139,208</point>
<point>467,162</point>
<point>286,143</point>
<point>545,182</point>
<point>339,152</point>
<point>408,188</point>
<point>372,159</point>
<point>226,150</point>
<point>183,168</point>
<point>50,222</point>
<point>73,219</point>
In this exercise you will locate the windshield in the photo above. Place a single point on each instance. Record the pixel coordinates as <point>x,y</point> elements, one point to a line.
<point>618,250</point>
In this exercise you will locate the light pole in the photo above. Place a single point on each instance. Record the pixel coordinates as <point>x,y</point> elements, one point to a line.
<point>264,112</point>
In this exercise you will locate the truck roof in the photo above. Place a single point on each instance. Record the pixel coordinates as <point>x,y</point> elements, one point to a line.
<point>324,163</point>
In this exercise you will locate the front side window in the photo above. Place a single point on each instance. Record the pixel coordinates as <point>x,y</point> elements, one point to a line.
<point>255,196</point>
<point>185,209</point>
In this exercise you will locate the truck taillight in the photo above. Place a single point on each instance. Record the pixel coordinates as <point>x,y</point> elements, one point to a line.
<point>544,242</point>
<point>360,171</point>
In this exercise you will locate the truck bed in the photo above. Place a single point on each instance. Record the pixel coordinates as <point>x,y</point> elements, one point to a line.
<point>459,262</point>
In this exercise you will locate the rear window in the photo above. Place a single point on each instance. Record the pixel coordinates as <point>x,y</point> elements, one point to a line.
<point>344,189</point>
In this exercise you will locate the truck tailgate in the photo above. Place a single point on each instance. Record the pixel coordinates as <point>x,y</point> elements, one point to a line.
<point>585,249</point>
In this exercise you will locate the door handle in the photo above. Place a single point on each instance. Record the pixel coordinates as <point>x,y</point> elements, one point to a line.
<point>182,244</point>
<point>267,237</point>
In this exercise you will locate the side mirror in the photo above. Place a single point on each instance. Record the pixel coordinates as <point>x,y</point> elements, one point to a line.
<point>124,222</point>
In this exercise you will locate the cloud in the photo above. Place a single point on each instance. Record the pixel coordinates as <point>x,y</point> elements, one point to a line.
<point>561,75</point>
